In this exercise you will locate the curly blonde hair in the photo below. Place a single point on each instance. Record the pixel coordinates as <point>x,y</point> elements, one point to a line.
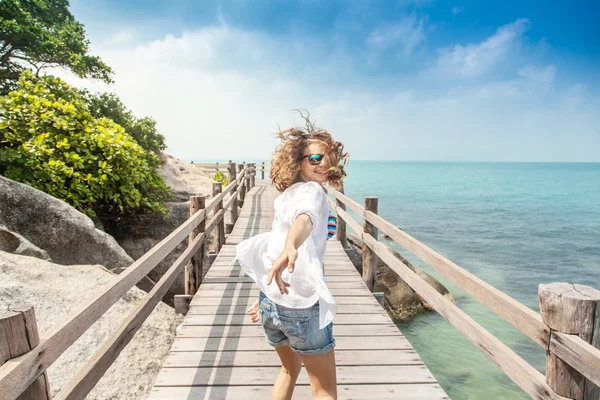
<point>285,164</point>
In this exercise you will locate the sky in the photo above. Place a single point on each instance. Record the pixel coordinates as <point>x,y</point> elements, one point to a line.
<point>392,80</point>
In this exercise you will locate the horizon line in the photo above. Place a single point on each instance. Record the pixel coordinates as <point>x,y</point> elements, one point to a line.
<point>421,161</point>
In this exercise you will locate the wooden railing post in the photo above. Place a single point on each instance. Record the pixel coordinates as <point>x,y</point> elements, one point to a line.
<point>219,234</point>
<point>242,187</point>
<point>263,171</point>
<point>229,170</point>
<point>252,174</point>
<point>234,193</point>
<point>341,224</point>
<point>18,335</point>
<point>369,265</point>
<point>574,310</point>
<point>248,177</point>
<point>193,271</point>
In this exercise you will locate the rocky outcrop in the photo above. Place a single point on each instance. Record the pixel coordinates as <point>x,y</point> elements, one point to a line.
<point>401,301</point>
<point>55,290</point>
<point>34,219</point>
<point>157,230</point>
<point>12,242</point>
<point>67,235</point>
<point>160,228</point>
<point>185,179</point>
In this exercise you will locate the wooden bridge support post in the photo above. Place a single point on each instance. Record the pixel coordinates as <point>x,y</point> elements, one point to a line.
<point>220,231</point>
<point>262,170</point>
<point>242,188</point>
<point>252,175</point>
<point>341,224</point>
<point>18,335</point>
<point>249,177</point>
<point>369,271</point>
<point>234,193</point>
<point>574,310</point>
<point>193,271</point>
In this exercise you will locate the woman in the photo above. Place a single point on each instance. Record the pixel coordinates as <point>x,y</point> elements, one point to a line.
<point>295,306</point>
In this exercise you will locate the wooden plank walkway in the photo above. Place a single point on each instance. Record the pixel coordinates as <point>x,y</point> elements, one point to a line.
<point>220,354</point>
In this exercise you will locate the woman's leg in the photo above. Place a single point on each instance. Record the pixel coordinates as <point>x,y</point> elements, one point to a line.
<point>322,375</point>
<point>290,369</point>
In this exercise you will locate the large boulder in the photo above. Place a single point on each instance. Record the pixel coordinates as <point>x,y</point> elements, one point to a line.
<point>157,230</point>
<point>67,235</point>
<point>401,301</point>
<point>55,290</point>
<point>184,179</point>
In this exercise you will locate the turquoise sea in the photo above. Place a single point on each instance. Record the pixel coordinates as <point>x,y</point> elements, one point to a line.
<point>514,225</point>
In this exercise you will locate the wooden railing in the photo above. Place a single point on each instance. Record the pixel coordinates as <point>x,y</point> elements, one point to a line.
<point>568,328</point>
<point>24,357</point>
<point>216,167</point>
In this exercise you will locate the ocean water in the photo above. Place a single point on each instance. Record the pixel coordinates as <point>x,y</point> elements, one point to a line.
<point>514,225</point>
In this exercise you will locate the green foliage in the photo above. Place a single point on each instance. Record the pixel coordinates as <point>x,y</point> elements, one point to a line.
<point>221,177</point>
<point>143,130</point>
<point>49,140</point>
<point>41,34</point>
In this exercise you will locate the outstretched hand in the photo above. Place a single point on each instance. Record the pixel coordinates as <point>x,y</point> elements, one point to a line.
<point>286,259</point>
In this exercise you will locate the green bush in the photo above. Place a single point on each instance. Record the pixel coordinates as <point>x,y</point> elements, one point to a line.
<point>221,177</point>
<point>49,140</point>
<point>143,130</point>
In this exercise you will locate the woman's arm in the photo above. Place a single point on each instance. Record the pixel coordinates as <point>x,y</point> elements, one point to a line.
<point>298,233</point>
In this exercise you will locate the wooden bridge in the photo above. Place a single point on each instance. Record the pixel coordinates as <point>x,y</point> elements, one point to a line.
<point>218,353</point>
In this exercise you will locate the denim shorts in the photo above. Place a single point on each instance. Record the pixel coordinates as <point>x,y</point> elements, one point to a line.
<point>298,327</point>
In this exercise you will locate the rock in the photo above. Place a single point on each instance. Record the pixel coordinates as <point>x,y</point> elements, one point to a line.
<point>67,235</point>
<point>98,224</point>
<point>55,290</point>
<point>12,242</point>
<point>158,229</point>
<point>401,301</point>
<point>185,179</point>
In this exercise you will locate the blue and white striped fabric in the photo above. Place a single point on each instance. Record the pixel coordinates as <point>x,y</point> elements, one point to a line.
<point>331,225</point>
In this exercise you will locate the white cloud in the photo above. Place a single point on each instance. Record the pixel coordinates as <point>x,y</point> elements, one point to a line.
<point>538,75</point>
<point>218,93</point>
<point>407,33</point>
<point>504,121</point>
<point>475,59</point>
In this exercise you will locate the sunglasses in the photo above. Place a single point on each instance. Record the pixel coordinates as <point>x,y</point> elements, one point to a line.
<point>313,159</point>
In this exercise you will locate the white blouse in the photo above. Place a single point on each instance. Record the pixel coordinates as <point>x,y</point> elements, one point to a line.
<point>307,283</point>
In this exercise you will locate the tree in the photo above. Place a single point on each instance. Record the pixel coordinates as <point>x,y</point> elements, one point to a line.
<point>43,33</point>
<point>49,140</point>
